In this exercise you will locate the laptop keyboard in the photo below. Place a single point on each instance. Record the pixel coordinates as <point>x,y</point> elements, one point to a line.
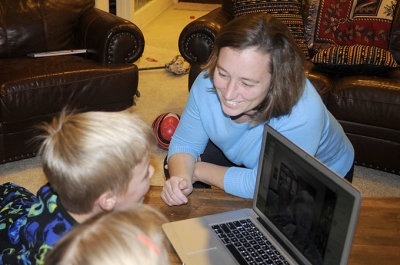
<point>247,244</point>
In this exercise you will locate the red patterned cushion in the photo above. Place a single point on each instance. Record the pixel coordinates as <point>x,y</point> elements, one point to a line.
<point>349,22</point>
<point>288,11</point>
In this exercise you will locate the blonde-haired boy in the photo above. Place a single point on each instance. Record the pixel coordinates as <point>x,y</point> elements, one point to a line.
<point>127,236</point>
<point>94,162</point>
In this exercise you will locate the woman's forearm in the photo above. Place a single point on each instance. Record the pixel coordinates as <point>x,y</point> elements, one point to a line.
<point>210,174</point>
<point>182,165</point>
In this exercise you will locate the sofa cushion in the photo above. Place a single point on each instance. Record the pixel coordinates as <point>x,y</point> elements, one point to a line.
<point>348,22</point>
<point>370,100</point>
<point>288,11</point>
<point>38,25</point>
<point>354,59</point>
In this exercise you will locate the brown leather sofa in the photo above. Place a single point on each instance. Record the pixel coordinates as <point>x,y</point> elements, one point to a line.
<point>33,90</point>
<point>367,106</point>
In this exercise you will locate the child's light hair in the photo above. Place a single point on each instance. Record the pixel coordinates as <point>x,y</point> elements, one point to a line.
<point>87,154</point>
<point>125,236</point>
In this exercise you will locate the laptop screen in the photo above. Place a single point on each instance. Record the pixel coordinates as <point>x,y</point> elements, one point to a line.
<point>302,204</point>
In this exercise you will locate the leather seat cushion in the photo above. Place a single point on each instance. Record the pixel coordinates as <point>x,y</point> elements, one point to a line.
<point>369,100</point>
<point>375,147</point>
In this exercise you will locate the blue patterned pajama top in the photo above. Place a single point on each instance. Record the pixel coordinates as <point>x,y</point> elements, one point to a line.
<point>30,225</point>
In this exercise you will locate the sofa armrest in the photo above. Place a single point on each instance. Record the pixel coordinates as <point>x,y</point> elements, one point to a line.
<point>196,40</point>
<point>108,38</point>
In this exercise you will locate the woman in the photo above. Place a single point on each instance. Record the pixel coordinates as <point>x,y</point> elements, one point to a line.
<point>255,75</point>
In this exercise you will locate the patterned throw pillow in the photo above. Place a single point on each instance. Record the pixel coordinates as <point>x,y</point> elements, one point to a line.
<point>349,22</point>
<point>355,59</point>
<point>288,11</point>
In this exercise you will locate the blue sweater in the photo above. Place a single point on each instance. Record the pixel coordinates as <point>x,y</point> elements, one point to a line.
<point>310,125</point>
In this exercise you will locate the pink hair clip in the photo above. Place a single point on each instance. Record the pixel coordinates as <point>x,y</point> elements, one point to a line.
<point>149,243</point>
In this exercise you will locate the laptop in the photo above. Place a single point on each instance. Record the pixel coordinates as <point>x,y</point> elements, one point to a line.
<point>302,213</point>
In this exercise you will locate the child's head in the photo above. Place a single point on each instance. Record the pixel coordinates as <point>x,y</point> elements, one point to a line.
<point>86,155</point>
<point>124,236</point>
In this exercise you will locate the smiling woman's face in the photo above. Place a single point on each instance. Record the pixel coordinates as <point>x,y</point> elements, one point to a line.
<point>242,80</point>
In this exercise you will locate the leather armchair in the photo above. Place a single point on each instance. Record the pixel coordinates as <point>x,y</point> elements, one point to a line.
<point>34,90</point>
<point>367,106</point>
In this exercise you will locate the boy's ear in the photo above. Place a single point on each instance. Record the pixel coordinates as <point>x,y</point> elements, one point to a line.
<point>107,201</point>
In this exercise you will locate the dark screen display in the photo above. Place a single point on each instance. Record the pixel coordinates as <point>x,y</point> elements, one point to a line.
<point>307,208</point>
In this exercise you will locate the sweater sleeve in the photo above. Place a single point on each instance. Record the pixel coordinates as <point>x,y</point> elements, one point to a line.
<point>240,181</point>
<point>190,136</point>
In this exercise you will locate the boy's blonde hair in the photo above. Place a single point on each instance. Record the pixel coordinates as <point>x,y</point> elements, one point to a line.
<point>125,236</point>
<point>87,154</point>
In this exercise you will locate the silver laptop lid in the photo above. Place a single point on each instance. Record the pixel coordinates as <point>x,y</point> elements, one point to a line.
<point>309,208</point>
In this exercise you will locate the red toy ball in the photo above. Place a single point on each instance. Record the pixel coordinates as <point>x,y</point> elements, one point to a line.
<point>164,127</point>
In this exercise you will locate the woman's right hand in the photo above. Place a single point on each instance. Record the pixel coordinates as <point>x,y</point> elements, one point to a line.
<point>176,190</point>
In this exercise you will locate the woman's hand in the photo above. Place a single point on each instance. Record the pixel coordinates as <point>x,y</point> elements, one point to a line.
<point>175,191</point>
<point>179,185</point>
